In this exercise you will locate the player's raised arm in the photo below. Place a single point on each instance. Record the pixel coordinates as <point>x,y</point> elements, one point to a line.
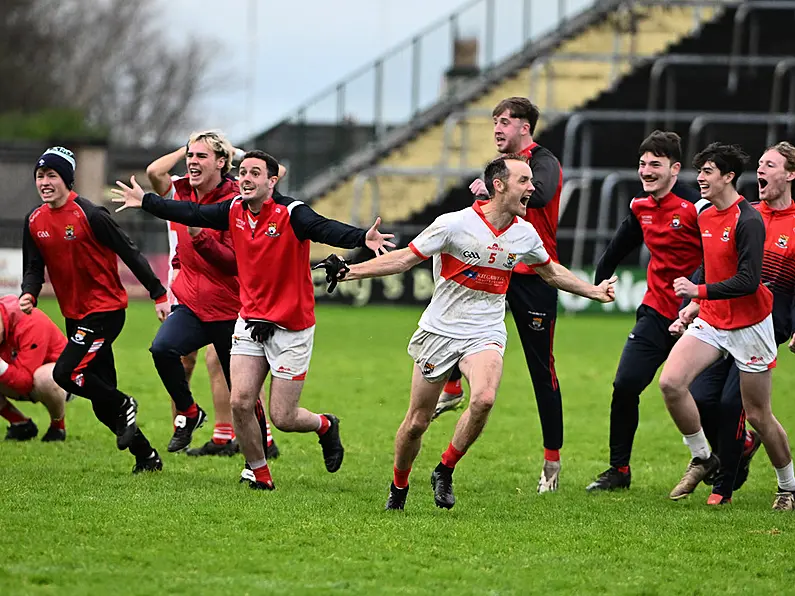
<point>559,277</point>
<point>159,171</point>
<point>215,216</point>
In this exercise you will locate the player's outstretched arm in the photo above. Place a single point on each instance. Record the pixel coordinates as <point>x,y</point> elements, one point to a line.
<point>215,216</point>
<point>559,277</point>
<point>627,238</point>
<point>396,261</point>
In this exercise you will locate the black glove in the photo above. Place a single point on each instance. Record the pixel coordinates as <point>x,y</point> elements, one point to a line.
<point>260,330</point>
<point>336,268</point>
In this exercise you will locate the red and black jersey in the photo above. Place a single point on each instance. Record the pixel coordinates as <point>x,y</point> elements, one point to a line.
<point>271,248</point>
<point>669,228</point>
<point>778,266</point>
<point>206,284</point>
<point>733,296</point>
<point>27,342</point>
<point>78,243</point>
<point>544,204</point>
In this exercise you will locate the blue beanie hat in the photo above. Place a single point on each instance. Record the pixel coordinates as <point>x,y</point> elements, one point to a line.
<point>62,161</point>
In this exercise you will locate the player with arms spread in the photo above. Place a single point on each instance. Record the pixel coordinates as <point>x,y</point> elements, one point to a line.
<point>730,314</point>
<point>275,329</point>
<point>79,243</point>
<point>475,250</point>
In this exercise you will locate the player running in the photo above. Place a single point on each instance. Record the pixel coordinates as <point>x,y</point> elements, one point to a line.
<point>534,304</point>
<point>79,243</point>
<point>275,329</point>
<point>664,218</point>
<point>717,390</point>
<point>474,251</point>
<point>29,347</point>
<point>730,314</point>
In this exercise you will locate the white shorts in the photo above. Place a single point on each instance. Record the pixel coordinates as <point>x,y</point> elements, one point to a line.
<point>436,354</point>
<point>288,352</point>
<point>753,348</point>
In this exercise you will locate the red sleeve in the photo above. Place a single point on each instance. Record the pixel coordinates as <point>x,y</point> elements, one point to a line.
<point>217,250</point>
<point>30,355</point>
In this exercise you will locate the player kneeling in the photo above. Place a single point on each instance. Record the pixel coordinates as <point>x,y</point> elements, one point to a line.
<point>474,252</point>
<point>29,347</point>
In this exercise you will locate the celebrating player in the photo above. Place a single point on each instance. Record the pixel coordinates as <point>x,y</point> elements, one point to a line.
<point>79,244</point>
<point>664,217</point>
<point>29,346</point>
<point>206,293</point>
<point>275,329</point>
<point>717,389</point>
<point>733,311</point>
<point>474,252</point>
<point>534,304</point>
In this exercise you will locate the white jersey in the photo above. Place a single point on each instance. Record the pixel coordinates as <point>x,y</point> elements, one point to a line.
<point>172,245</point>
<point>471,269</point>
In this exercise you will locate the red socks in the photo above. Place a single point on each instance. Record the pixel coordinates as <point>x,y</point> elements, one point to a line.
<point>552,454</point>
<point>749,443</point>
<point>453,387</point>
<point>59,424</point>
<point>263,474</point>
<point>623,469</point>
<point>191,412</point>
<point>401,478</point>
<point>325,424</point>
<point>451,456</point>
<point>223,432</point>
<point>14,416</point>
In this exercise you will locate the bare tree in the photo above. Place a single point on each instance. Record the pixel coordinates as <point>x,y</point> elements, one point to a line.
<point>110,60</point>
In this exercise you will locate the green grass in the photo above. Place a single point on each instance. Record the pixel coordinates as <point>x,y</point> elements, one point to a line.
<point>74,521</point>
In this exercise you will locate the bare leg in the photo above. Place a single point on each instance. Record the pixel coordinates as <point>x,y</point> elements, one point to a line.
<point>688,358</point>
<point>248,374</point>
<point>756,390</point>
<point>483,371</point>
<point>408,440</point>
<point>222,406</point>
<point>47,391</point>
<point>285,413</point>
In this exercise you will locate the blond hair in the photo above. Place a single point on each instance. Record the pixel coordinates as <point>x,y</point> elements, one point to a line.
<point>787,151</point>
<point>220,145</point>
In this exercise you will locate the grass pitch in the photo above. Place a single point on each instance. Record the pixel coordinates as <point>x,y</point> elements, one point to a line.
<point>74,521</point>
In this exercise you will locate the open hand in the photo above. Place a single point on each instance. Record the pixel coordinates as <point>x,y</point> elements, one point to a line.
<point>131,196</point>
<point>376,241</point>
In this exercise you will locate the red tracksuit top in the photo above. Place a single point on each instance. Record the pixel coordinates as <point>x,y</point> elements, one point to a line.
<point>733,296</point>
<point>204,285</point>
<point>669,228</point>
<point>28,341</point>
<point>78,243</point>
<point>544,205</point>
<point>271,248</point>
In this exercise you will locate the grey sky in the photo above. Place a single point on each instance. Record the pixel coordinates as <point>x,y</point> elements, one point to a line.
<point>304,46</point>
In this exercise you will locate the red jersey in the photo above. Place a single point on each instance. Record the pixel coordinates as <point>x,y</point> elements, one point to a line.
<point>207,282</point>
<point>669,229</point>
<point>27,342</point>
<point>271,249</point>
<point>78,243</point>
<point>544,205</point>
<point>733,296</point>
<point>778,265</point>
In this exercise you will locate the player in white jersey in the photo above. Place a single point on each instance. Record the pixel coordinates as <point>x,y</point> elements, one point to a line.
<point>474,252</point>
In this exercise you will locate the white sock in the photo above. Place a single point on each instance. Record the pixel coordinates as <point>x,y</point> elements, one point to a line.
<point>698,444</point>
<point>257,464</point>
<point>786,478</point>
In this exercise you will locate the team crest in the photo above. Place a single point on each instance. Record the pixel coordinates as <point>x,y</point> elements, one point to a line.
<point>79,337</point>
<point>537,324</point>
<point>676,221</point>
<point>272,230</point>
<point>427,369</point>
<point>725,235</point>
<point>782,241</point>
<point>69,233</point>
<point>511,260</point>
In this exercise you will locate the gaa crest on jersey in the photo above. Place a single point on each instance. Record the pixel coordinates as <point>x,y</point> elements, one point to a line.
<point>782,241</point>
<point>676,221</point>
<point>272,230</point>
<point>69,232</point>
<point>725,236</point>
<point>511,261</point>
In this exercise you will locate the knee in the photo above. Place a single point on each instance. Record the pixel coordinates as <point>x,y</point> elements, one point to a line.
<point>628,387</point>
<point>242,404</point>
<point>757,416</point>
<point>43,381</point>
<point>417,423</point>
<point>283,418</point>
<point>481,402</point>
<point>671,386</point>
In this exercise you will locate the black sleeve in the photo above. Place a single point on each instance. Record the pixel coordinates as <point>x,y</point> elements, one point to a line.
<point>214,216</point>
<point>32,264</point>
<point>310,225</point>
<point>750,240</point>
<point>627,238</point>
<point>108,232</point>
<point>792,317</point>
<point>546,176</point>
